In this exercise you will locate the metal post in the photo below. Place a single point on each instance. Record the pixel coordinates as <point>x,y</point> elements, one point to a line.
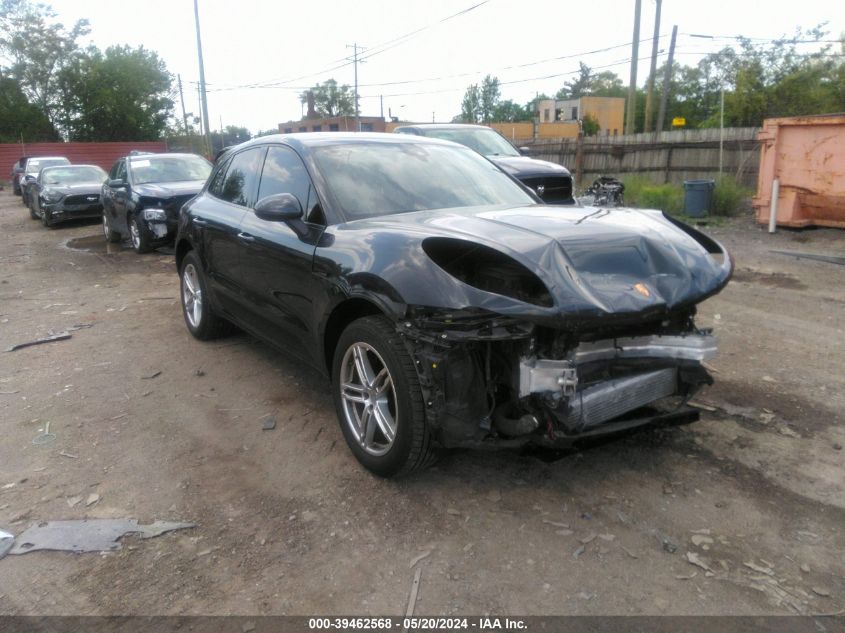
<point>667,79</point>
<point>773,207</point>
<point>721,123</point>
<point>182,99</point>
<point>203,97</point>
<point>649,98</point>
<point>632,87</point>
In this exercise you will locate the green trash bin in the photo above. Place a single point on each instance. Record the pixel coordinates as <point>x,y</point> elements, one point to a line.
<point>697,197</point>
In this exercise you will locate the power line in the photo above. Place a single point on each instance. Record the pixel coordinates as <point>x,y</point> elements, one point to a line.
<point>375,50</point>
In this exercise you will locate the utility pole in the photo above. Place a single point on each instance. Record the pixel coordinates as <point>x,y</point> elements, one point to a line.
<point>381,102</point>
<point>667,79</point>
<point>203,97</point>
<point>649,98</point>
<point>632,87</point>
<point>354,48</point>
<point>182,99</point>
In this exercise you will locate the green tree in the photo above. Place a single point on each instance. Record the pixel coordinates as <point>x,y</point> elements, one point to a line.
<point>508,111</point>
<point>38,48</point>
<point>331,100</point>
<point>489,98</point>
<point>577,87</point>
<point>19,119</point>
<point>471,105</point>
<point>590,125</point>
<point>122,94</point>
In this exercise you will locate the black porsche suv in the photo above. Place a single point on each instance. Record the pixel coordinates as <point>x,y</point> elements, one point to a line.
<point>143,195</point>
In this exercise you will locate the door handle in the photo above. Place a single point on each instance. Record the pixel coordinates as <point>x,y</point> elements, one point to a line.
<point>246,237</point>
<point>200,222</point>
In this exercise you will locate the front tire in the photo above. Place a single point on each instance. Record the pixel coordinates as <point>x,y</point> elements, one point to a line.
<point>139,235</point>
<point>46,220</point>
<point>379,401</point>
<point>31,207</point>
<point>201,320</point>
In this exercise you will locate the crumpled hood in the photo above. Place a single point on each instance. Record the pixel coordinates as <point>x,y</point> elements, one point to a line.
<point>169,189</point>
<point>595,262</point>
<point>524,167</point>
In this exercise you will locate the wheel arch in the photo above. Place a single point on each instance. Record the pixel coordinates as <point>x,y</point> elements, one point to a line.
<point>341,316</point>
<point>183,247</point>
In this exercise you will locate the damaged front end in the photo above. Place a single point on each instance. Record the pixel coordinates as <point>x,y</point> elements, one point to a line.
<point>490,380</point>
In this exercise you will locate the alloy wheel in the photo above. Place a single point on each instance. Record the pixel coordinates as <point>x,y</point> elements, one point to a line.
<point>368,398</point>
<point>192,295</point>
<point>135,234</point>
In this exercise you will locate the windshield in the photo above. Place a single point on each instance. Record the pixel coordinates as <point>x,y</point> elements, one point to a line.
<point>72,175</point>
<point>483,141</point>
<point>372,179</point>
<point>34,166</point>
<point>148,169</point>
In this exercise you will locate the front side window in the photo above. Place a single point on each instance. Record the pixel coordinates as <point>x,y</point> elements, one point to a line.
<point>242,177</point>
<point>378,178</point>
<point>284,173</point>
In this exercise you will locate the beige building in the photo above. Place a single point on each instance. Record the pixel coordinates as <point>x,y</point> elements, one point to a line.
<point>333,124</point>
<point>608,111</point>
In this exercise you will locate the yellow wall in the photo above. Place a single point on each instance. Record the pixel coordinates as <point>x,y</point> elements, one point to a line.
<point>558,129</point>
<point>514,131</point>
<point>609,111</point>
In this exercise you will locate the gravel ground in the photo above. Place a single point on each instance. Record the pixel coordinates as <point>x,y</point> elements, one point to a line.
<point>160,426</point>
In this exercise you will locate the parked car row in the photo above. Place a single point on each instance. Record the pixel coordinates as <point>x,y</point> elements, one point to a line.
<point>446,304</point>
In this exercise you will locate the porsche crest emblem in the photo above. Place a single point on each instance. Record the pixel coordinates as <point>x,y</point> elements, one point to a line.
<point>642,289</point>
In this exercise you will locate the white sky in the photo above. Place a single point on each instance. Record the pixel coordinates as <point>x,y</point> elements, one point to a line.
<point>251,41</point>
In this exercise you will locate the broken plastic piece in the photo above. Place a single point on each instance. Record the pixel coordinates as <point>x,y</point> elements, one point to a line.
<point>6,542</point>
<point>88,535</point>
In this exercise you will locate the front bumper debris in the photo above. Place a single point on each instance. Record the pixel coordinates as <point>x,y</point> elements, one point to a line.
<point>489,384</point>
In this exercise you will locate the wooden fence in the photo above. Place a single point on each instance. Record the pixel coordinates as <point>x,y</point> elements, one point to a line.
<point>665,157</point>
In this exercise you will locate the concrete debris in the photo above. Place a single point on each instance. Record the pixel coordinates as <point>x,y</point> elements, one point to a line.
<point>155,374</point>
<point>61,336</point>
<point>92,499</point>
<point>556,523</point>
<point>821,591</point>
<point>269,423</point>
<point>607,537</point>
<point>805,568</point>
<point>585,540</point>
<point>88,535</point>
<point>73,501</point>
<point>578,552</point>
<point>699,540</point>
<point>702,406</point>
<point>695,559</point>
<point>785,430</point>
<point>760,569</point>
<point>688,577</point>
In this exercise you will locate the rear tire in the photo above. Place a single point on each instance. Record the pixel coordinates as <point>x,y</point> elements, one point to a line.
<point>377,395</point>
<point>113,237</point>
<point>200,318</point>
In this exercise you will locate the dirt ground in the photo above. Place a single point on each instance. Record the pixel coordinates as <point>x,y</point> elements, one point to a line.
<point>162,426</point>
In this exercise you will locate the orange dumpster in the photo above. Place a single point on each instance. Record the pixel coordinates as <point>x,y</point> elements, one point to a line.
<point>807,156</point>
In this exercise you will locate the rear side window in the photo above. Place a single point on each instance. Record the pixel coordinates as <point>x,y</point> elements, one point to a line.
<point>284,173</point>
<point>241,179</point>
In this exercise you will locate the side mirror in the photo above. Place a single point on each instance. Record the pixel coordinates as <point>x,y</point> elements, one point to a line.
<point>117,183</point>
<point>280,207</point>
<point>525,151</point>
